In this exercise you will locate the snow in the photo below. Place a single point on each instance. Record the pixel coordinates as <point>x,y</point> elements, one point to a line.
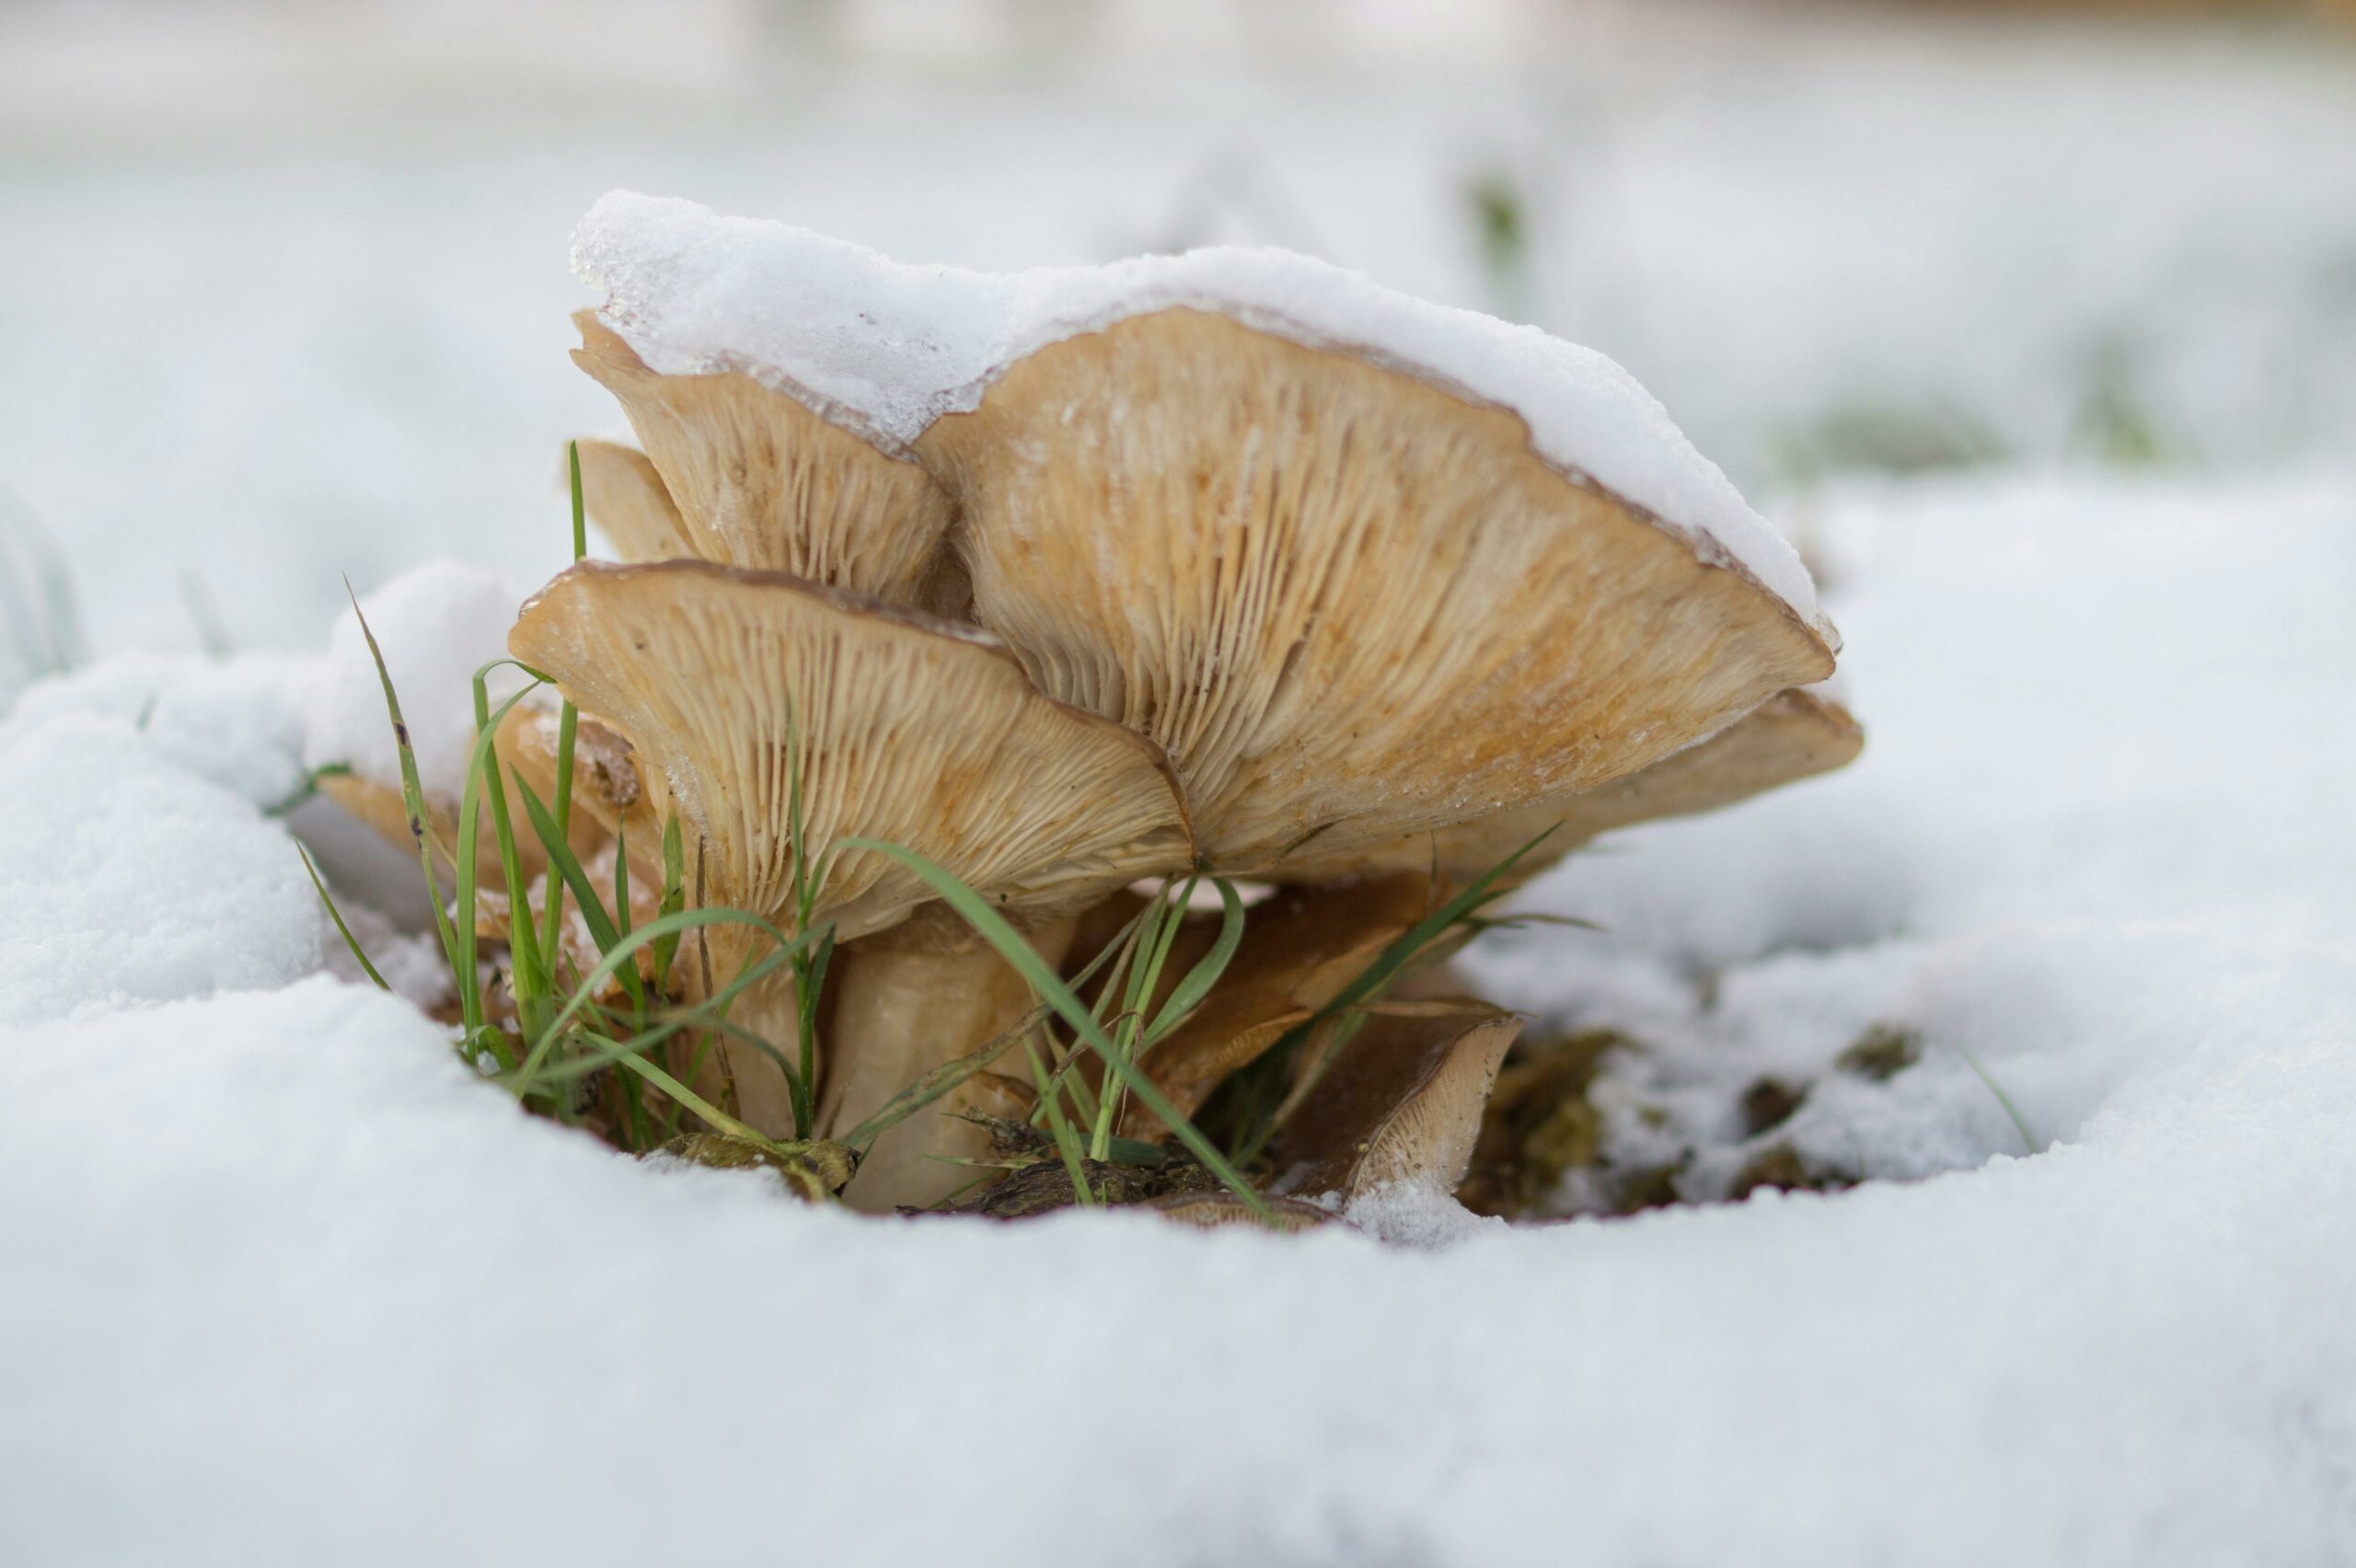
<point>235,722</point>
<point>888,348</point>
<point>436,626</point>
<point>291,1285</point>
<point>130,878</point>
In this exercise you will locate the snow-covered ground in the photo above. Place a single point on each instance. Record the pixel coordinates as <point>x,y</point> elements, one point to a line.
<point>284,1284</point>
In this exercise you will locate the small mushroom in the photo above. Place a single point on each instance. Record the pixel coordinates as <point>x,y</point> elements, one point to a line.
<point>1350,602</point>
<point>902,728</point>
<point>608,798</point>
<point>763,480</point>
<point>1400,1103</point>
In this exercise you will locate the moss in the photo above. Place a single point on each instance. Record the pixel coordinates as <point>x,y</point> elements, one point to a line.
<point>814,1170</point>
<point>1881,1053</point>
<point>1539,1126</point>
<point>1768,1104</point>
<point>1784,1168</point>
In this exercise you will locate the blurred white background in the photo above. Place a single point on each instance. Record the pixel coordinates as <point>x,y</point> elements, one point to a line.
<point>284,287</point>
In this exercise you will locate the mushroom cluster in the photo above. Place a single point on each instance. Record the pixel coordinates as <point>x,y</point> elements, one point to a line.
<point>1187,588</point>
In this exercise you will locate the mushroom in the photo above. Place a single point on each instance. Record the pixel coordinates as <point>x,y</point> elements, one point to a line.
<point>1350,602</point>
<point>764,481</point>
<point>902,728</point>
<point>1381,627</point>
<point>1399,1103</point>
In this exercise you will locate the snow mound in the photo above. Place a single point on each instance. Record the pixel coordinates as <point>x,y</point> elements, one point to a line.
<point>436,626</point>
<point>131,879</point>
<point>237,722</point>
<point>888,348</point>
<point>383,1283</point>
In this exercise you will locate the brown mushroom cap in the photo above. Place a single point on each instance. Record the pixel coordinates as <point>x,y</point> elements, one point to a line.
<point>626,498</point>
<point>1348,602</point>
<point>1400,1103</point>
<point>909,730</point>
<point>761,482</point>
<point>1792,735</point>
<point>608,797</point>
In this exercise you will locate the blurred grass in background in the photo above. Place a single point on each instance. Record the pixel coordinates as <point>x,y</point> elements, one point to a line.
<point>242,244</point>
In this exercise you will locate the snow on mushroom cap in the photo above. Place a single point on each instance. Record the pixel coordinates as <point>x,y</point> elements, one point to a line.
<point>887,348</point>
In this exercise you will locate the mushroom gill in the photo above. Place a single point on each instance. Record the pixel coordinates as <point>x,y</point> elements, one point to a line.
<point>1351,603</point>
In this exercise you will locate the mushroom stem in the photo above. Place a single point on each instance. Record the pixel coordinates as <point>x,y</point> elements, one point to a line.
<point>901,1003</point>
<point>767,1009</point>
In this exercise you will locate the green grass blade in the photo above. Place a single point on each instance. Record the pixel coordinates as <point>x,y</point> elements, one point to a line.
<point>1388,961</point>
<point>1066,1141</point>
<point>626,949</point>
<point>412,792</point>
<point>621,877</point>
<point>567,722</point>
<point>2020,1123</point>
<point>709,1015</point>
<point>1189,992</point>
<point>692,1100</point>
<point>674,899</point>
<point>1162,918</point>
<point>529,970</point>
<point>464,864</point>
<point>1104,956</point>
<point>568,868</point>
<point>580,510</point>
<point>993,928</point>
<point>336,915</point>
